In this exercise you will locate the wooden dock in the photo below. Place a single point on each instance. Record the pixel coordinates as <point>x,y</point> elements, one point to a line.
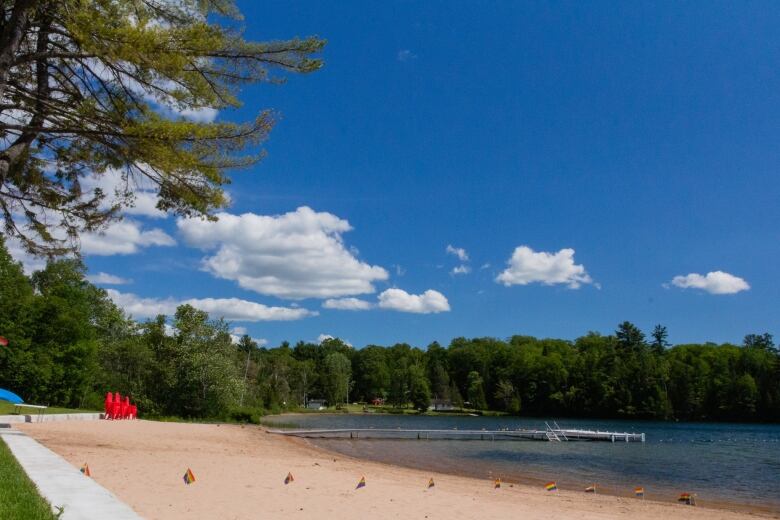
<point>550,434</point>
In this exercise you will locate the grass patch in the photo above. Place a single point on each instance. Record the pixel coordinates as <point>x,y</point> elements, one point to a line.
<point>7,408</point>
<point>19,499</point>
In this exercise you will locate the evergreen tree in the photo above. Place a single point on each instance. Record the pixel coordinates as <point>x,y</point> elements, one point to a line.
<point>659,336</point>
<point>102,87</point>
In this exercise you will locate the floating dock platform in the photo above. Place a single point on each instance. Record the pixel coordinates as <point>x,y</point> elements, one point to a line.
<point>550,434</point>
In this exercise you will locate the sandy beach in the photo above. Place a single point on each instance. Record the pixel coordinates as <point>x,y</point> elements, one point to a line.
<point>240,474</point>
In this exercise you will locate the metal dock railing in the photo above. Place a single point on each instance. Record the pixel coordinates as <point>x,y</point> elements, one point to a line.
<point>550,434</point>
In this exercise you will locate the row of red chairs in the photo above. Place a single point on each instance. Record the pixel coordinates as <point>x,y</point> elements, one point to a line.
<point>118,408</point>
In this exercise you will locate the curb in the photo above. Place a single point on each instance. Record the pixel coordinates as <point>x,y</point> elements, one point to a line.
<point>62,485</point>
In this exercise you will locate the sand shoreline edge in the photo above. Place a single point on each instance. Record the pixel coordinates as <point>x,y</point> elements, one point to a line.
<point>240,467</point>
<point>734,507</point>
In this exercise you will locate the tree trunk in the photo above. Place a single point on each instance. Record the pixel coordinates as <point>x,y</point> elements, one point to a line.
<point>11,37</point>
<point>10,155</point>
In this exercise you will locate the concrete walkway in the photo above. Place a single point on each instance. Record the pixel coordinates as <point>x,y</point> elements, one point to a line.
<point>36,418</point>
<point>62,485</point>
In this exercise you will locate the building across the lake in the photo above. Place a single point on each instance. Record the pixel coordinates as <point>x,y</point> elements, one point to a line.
<point>442,405</point>
<point>316,404</point>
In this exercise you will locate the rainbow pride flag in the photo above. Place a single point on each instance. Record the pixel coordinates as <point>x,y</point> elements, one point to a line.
<point>497,483</point>
<point>430,483</point>
<point>289,478</point>
<point>551,486</point>
<point>85,470</point>
<point>362,483</point>
<point>639,491</point>
<point>687,498</point>
<point>591,489</point>
<point>189,477</point>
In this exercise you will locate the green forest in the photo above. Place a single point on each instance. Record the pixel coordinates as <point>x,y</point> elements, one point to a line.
<point>69,344</point>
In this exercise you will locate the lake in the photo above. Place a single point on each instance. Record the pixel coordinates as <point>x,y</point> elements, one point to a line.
<point>725,464</point>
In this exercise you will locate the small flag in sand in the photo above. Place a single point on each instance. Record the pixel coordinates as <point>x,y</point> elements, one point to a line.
<point>551,486</point>
<point>639,491</point>
<point>687,498</point>
<point>85,470</point>
<point>362,482</point>
<point>289,478</point>
<point>189,477</point>
<point>591,489</point>
<point>497,483</point>
<point>430,483</point>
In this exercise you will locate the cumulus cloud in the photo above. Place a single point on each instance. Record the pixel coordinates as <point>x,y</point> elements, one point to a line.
<point>123,238</point>
<point>527,266</point>
<point>114,185</point>
<point>426,303</point>
<point>236,333</point>
<point>30,263</point>
<point>461,253</point>
<point>200,115</point>
<point>347,304</point>
<point>297,255</point>
<point>714,282</point>
<point>461,269</point>
<point>119,238</point>
<point>232,309</point>
<point>107,279</point>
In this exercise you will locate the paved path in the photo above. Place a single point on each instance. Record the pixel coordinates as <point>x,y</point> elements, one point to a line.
<point>35,418</point>
<point>63,485</point>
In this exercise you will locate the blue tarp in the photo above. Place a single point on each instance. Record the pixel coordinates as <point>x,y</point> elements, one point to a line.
<point>6,395</point>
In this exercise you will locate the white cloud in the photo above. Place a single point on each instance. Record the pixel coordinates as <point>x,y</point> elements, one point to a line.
<point>461,253</point>
<point>30,263</point>
<point>300,254</point>
<point>232,309</point>
<point>107,279</point>
<point>347,304</point>
<point>714,282</point>
<point>236,339</point>
<point>200,115</point>
<point>114,185</point>
<point>240,331</point>
<point>123,238</point>
<point>428,302</point>
<point>527,266</point>
<point>461,269</point>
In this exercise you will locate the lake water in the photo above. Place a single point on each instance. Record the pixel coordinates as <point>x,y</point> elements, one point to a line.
<point>725,464</point>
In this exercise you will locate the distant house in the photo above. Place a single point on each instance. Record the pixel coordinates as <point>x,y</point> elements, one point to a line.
<point>442,405</point>
<point>315,404</point>
<point>378,401</point>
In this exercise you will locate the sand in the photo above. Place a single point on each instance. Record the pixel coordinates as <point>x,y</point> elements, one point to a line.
<point>240,474</point>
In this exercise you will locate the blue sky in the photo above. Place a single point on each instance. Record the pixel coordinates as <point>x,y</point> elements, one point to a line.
<point>622,144</point>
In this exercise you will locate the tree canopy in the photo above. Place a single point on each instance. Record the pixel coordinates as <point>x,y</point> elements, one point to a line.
<point>127,86</point>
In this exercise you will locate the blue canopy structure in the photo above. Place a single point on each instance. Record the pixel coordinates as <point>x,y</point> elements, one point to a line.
<point>7,395</point>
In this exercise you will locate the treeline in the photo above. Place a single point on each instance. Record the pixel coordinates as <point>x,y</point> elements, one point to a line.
<point>69,344</point>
